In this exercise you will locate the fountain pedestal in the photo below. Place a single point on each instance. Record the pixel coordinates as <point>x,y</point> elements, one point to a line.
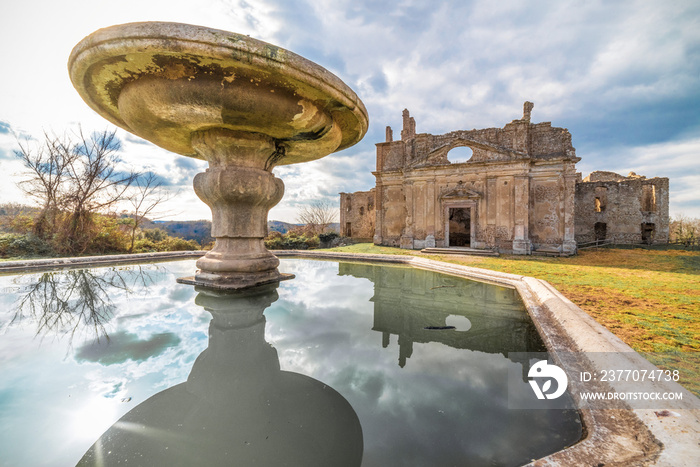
<point>240,190</point>
<point>242,105</point>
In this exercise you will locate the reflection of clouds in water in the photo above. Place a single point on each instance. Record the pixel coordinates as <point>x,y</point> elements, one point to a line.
<point>448,398</point>
<point>171,367</point>
<point>109,387</point>
<point>181,294</point>
<point>318,286</point>
<point>427,404</point>
<point>441,403</point>
<point>41,390</point>
<point>174,330</point>
<point>123,346</point>
<point>331,306</point>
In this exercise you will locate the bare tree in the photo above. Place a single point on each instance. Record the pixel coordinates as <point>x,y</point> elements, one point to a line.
<point>318,216</point>
<point>74,178</point>
<point>47,168</point>
<point>148,193</point>
<point>95,185</point>
<point>684,230</point>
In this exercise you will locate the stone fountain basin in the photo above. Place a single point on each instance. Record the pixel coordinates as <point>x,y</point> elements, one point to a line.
<point>166,82</point>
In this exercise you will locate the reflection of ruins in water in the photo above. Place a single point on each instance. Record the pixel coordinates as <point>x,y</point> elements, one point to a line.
<point>237,406</point>
<point>415,305</point>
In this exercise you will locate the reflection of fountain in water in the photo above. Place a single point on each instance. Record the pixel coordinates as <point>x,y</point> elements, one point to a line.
<point>237,407</point>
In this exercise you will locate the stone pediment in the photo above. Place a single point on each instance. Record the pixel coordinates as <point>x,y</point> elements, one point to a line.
<point>460,192</point>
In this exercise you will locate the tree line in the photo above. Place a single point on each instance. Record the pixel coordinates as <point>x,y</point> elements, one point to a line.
<point>78,185</point>
<point>84,201</point>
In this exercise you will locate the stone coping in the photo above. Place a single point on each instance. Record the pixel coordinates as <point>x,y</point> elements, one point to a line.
<point>611,436</point>
<point>29,265</point>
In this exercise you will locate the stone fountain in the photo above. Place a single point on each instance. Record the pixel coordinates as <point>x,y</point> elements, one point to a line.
<point>243,105</point>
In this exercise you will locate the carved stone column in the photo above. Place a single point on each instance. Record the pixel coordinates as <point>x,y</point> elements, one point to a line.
<point>569,244</point>
<point>378,210</point>
<point>240,190</point>
<point>407,234</point>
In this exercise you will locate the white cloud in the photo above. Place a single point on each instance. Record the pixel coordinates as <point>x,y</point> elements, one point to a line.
<point>677,160</point>
<point>621,76</point>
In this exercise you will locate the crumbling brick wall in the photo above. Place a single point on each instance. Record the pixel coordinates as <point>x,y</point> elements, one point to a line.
<point>518,193</point>
<point>619,209</point>
<point>514,171</point>
<point>357,214</point>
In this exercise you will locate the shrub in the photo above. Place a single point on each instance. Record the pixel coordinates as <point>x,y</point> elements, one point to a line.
<point>295,243</point>
<point>312,242</point>
<point>155,235</point>
<point>22,223</point>
<point>176,244</point>
<point>291,241</point>
<point>23,245</point>
<point>109,235</point>
<point>144,245</point>
<point>326,239</point>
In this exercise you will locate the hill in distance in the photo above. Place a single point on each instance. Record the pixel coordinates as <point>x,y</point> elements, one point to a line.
<point>201,230</point>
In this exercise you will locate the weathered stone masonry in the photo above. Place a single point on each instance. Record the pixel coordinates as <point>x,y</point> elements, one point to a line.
<point>357,214</point>
<point>518,193</point>
<point>620,209</point>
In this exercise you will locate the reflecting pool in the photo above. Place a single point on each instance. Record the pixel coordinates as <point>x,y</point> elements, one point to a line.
<point>346,364</point>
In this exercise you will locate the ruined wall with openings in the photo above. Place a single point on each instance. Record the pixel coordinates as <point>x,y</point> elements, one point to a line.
<point>357,214</point>
<point>423,200</point>
<point>618,209</point>
<point>518,193</point>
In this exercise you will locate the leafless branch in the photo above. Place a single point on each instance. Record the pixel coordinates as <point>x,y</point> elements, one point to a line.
<point>147,195</point>
<point>318,216</point>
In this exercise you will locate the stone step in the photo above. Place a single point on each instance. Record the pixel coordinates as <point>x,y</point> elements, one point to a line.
<point>547,251</point>
<point>459,251</point>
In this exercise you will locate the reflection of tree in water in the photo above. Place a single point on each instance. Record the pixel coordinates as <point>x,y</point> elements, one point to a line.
<point>71,301</point>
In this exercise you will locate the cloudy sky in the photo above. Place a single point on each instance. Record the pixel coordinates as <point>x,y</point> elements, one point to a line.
<point>623,77</point>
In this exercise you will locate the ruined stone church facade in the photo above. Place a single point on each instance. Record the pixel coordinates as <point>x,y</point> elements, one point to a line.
<point>519,193</point>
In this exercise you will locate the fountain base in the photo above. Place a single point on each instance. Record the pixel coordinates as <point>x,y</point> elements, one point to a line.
<point>233,281</point>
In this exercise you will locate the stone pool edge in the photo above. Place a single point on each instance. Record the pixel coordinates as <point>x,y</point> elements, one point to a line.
<point>36,265</point>
<point>611,437</point>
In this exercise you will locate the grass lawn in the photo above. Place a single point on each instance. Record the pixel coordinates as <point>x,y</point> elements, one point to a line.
<point>648,298</point>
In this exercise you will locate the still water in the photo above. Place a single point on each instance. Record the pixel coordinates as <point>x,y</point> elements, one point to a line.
<point>345,364</point>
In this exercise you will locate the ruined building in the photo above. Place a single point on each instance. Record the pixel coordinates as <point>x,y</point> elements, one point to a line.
<point>632,209</point>
<point>518,193</point>
<point>357,215</point>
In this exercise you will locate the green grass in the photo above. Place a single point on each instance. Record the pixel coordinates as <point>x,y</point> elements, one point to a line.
<point>650,298</point>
